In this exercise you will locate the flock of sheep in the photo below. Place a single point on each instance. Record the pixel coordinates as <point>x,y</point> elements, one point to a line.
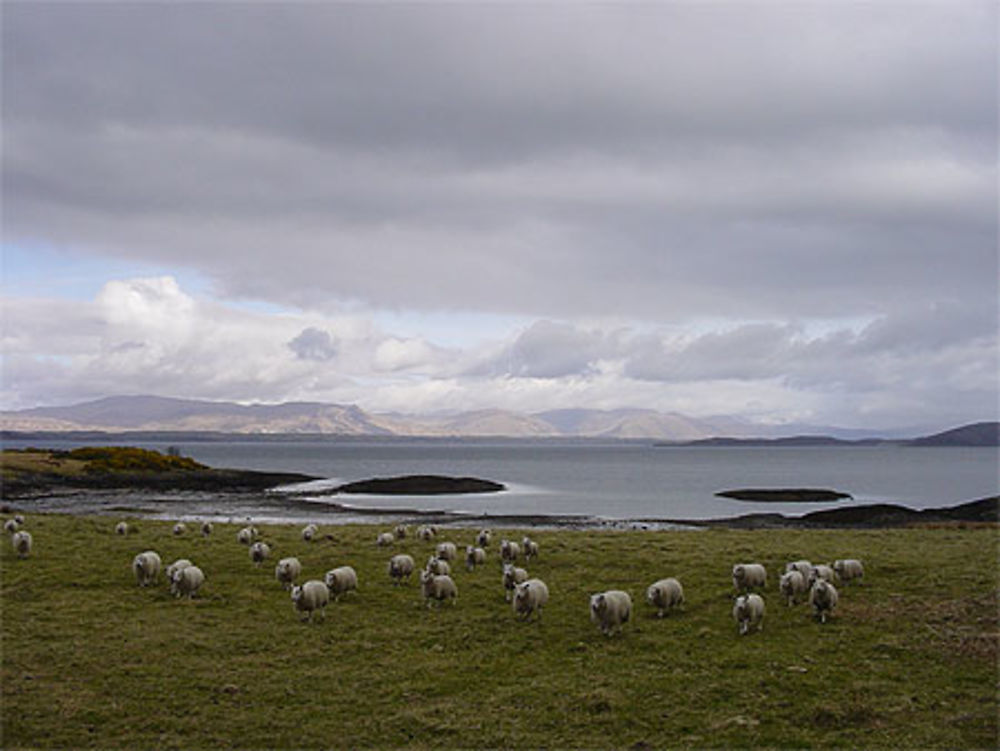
<point>609,610</point>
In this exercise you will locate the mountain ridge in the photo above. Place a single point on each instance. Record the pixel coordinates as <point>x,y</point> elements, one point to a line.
<point>146,413</point>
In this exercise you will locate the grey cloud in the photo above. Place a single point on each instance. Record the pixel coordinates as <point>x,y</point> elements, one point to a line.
<point>313,344</point>
<point>659,161</point>
<point>550,350</point>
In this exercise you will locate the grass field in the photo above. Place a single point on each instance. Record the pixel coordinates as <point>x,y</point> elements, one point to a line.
<point>89,659</point>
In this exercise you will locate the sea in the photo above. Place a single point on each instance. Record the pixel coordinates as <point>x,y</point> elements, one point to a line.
<point>635,483</point>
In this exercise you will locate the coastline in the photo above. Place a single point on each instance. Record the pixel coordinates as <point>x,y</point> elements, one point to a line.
<point>292,508</point>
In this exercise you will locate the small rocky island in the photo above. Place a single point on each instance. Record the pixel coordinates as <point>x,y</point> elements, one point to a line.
<point>420,485</point>
<point>785,495</point>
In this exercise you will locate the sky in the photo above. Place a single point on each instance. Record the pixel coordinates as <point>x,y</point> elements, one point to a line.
<point>783,212</point>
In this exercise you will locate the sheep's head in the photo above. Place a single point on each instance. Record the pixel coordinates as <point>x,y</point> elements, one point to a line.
<point>296,593</point>
<point>597,603</point>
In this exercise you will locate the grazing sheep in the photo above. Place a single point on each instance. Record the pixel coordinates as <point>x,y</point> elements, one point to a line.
<point>21,541</point>
<point>340,580</point>
<point>610,610</point>
<point>530,597</point>
<point>121,528</point>
<point>10,526</point>
<point>146,567</point>
<point>823,572</point>
<point>310,597</point>
<point>803,567</point>
<point>512,576</point>
<point>530,548</point>
<point>245,536</point>
<point>309,531</point>
<point>259,552</point>
<point>400,531</point>
<point>180,528</point>
<point>384,539</point>
<point>474,557</point>
<point>186,581</point>
<point>748,612</point>
<point>848,570</point>
<point>509,551</point>
<point>440,588</point>
<point>425,533</point>
<point>19,519</point>
<point>287,571</point>
<point>447,551</point>
<point>483,538</point>
<point>793,586</point>
<point>206,529</point>
<point>823,597</point>
<point>438,566</point>
<point>665,595</point>
<point>174,567</point>
<point>747,576</point>
<point>401,567</point>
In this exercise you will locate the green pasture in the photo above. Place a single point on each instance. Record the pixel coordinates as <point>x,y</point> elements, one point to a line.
<point>89,659</point>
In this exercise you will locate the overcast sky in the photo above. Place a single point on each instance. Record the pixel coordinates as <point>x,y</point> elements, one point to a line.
<point>780,211</point>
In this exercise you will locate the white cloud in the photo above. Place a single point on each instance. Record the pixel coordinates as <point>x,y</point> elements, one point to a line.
<point>150,336</point>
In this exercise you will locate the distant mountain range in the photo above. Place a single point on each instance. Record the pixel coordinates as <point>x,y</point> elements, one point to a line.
<point>161,414</point>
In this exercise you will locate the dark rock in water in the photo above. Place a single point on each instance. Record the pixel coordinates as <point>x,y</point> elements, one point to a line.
<point>784,495</point>
<point>420,485</point>
<point>890,515</point>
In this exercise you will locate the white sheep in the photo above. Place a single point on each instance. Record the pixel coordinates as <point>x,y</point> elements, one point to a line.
<point>146,567</point>
<point>206,529</point>
<point>340,580</point>
<point>309,531</point>
<point>483,538</point>
<point>180,528</point>
<point>511,577</point>
<point>447,551</point>
<point>803,567</point>
<point>187,581</point>
<point>384,539</point>
<point>530,597</point>
<point>793,586</point>
<point>121,528</point>
<point>610,610</point>
<point>509,551</point>
<point>19,518</point>
<point>530,548</point>
<point>174,567</point>
<point>21,540</point>
<point>425,533</point>
<point>287,571</point>
<point>310,597</point>
<point>665,595</point>
<point>401,567</point>
<point>823,598</point>
<point>400,531</point>
<point>848,570</point>
<point>747,576</point>
<point>439,588</point>
<point>245,536</point>
<point>821,571</point>
<point>474,557</point>
<point>11,526</point>
<point>259,553</point>
<point>748,612</point>
<point>438,566</point>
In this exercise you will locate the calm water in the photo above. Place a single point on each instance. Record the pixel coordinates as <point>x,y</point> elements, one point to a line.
<point>604,480</point>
